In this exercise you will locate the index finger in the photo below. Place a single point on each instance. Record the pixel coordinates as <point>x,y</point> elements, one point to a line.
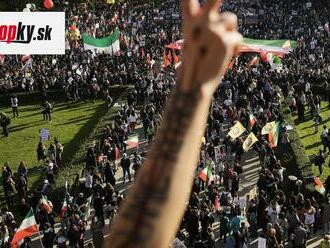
<point>190,8</point>
<point>212,5</point>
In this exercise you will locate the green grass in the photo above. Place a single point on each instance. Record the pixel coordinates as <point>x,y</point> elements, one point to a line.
<point>312,141</point>
<point>70,125</point>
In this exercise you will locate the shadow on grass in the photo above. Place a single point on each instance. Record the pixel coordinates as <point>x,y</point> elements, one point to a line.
<point>74,121</point>
<point>24,126</point>
<point>307,135</point>
<point>73,146</point>
<point>313,145</point>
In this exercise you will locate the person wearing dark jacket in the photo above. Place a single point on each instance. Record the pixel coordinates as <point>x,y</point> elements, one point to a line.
<point>49,236</point>
<point>125,164</point>
<point>98,204</point>
<point>4,122</point>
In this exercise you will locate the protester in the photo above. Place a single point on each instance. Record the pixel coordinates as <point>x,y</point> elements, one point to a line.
<point>4,122</point>
<point>14,106</point>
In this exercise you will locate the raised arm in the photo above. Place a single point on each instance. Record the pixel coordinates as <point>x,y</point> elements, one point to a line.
<point>156,203</point>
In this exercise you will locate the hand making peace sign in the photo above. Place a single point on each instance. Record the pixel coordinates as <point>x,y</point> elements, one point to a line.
<point>211,39</point>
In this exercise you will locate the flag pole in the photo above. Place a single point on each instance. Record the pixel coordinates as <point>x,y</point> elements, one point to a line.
<point>38,232</point>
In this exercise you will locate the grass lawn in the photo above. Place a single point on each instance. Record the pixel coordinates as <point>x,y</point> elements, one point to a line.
<point>70,124</point>
<point>312,141</point>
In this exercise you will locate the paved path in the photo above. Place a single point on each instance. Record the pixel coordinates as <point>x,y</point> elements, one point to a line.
<point>248,179</point>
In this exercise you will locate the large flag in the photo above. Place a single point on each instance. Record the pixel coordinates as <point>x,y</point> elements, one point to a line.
<point>206,174</point>
<point>274,134</point>
<point>237,130</point>
<point>252,120</point>
<point>279,47</point>
<point>27,228</point>
<point>88,209</point>
<point>268,128</point>
<point>109,45</point>
<point>249,141</point>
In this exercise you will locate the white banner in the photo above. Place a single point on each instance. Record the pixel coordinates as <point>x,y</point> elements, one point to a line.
<point>32,33</point>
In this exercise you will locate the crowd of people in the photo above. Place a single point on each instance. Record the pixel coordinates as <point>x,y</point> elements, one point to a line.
<point>280,216</point>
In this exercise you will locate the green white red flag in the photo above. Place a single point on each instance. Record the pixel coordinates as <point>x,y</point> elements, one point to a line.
<point>88,209</point>
<point>274,134</point>
<point>109,44</point>
<point>252,120</point>
<point>27,228</point>
<point>319,187</point>
<point>46,204</point>
<point>206,174</point>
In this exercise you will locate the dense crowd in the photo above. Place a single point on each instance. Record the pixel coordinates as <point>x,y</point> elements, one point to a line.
<point>280,211</point>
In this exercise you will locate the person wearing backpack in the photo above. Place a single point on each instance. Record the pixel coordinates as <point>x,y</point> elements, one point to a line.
<point>5,122</point>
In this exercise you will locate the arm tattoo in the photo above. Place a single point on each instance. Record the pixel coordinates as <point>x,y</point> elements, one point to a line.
<point>153,189</point>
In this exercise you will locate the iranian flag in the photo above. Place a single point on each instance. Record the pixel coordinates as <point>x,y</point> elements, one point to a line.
<point>273,135</point>
<point>64,208</point>
<point>252,120</point>
<point>27,228</point>
<point>88,209</point>
<point>319,185</point>
<point>46,204</point>
<point>206,174</point>
<point>277,47</point>
<point>109,45</point>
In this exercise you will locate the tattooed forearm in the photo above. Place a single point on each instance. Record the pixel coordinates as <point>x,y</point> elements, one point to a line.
<point>152,187</point>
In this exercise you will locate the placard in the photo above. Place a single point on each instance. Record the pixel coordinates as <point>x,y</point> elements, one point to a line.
<point>44,134</point>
